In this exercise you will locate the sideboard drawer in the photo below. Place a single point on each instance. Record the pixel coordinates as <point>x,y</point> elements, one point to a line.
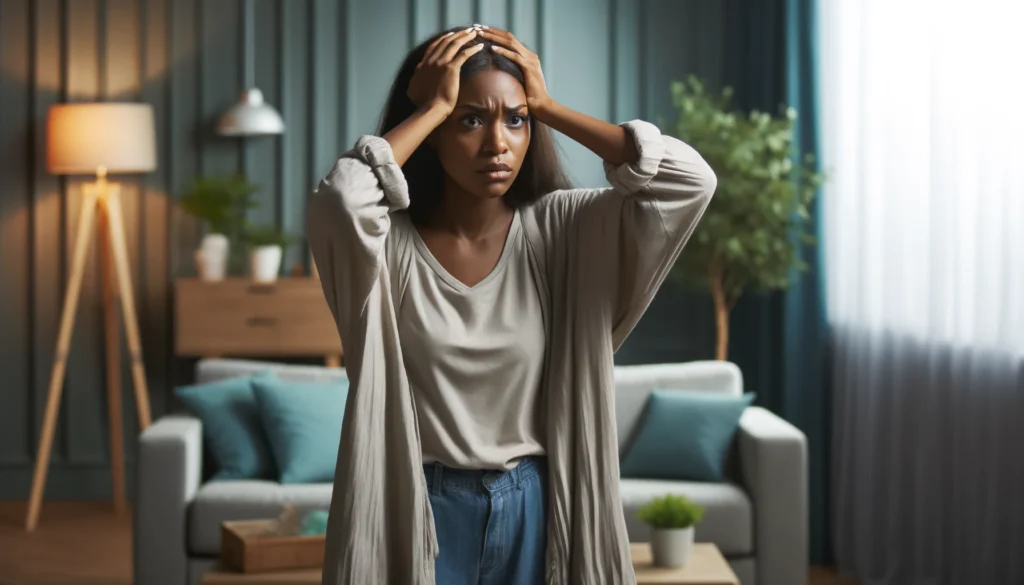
<point>239,317</point>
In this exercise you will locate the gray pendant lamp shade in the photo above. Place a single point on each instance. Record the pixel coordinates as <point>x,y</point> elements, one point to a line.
<point>251,116</point>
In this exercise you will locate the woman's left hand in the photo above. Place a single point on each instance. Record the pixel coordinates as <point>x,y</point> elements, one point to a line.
<point>508,46</point>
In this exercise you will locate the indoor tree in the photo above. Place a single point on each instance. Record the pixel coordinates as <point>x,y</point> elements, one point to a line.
<point>750,236</point>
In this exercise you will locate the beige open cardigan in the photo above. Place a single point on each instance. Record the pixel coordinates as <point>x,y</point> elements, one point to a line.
<point>598,256</point>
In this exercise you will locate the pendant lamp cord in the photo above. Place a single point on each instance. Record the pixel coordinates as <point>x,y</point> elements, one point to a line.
<point>248,17</point>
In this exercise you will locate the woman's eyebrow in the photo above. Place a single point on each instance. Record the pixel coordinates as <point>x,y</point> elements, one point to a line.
<point>479,108</point>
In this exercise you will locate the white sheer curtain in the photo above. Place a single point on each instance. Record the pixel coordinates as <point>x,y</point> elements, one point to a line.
<point>922,133</point>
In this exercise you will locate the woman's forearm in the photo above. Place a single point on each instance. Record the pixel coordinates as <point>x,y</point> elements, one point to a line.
<point>609,141</point>
<point>407,136</point>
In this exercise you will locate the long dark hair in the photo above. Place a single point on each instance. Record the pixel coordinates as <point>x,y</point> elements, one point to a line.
<point>540,174</point>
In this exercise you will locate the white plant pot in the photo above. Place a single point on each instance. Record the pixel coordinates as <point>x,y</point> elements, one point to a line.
<point>212,257</point>
<point>265,263</point>
<point>671,548</point>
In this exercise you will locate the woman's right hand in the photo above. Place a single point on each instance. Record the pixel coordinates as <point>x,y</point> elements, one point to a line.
<point>436,80</point>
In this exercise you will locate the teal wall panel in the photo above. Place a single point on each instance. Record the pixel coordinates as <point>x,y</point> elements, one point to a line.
<point>15,227</point>
<point>327,66</point>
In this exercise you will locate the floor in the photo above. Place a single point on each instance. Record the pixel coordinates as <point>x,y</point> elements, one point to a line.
<point>85,543</point>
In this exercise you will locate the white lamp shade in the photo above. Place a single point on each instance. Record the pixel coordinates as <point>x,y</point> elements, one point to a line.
<point>251,116</point>
<point>83,138</point>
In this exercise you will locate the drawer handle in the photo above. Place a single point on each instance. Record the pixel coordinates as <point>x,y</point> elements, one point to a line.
<point>261,289</point>
<point>261,321</point>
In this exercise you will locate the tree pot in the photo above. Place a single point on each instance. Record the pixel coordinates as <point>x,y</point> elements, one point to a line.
<point>212,257</point>
<point>671,548</point>
<point>265,263</point>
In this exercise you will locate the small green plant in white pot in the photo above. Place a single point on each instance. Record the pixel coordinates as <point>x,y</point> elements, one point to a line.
<point>221,202</point>
<point>672,520</point>
<point>266,248</point>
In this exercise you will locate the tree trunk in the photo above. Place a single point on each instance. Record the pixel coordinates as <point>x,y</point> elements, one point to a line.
<point>721,317</point>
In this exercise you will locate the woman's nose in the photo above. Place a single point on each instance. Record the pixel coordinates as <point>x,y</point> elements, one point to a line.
<point>496,142</point>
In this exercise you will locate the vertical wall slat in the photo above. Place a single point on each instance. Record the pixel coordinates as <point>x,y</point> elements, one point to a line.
<point>220,65</point>
<point>261,152</point>
<point>577,77</point>
<point>327,101</point>
<point>84,385</point>
<point>47,218</point>
<point>15,301</point>
<point>155,290</point>
<point>327,90</point>
<point>295,183</point>
<point>458,13</point>
<point>492,13</point>
<point>122,52</point>
<point>185,130</point>
<point>346,69</point>
<point>428,19</point>
<point>643,60</point>
<point>372,78</point>
<point>626,55</point>
<point>523,15</point>
<point>665,27</point>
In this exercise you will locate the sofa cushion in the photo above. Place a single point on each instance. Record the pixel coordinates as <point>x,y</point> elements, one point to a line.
<point>302,420</point>
<point>219,501</point>
<point>728,514</point>
<point>211,369</point>
<point>232,427</point>
<point>685,436</point>
<point>634,384</point>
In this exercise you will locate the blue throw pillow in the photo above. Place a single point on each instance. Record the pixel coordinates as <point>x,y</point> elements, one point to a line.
<point>685,435</point>
<point>231,426</point>
<point>303,423</point>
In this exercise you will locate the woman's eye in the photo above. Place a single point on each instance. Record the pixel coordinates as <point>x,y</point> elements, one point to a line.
<point>472,121</point>
<point>517,120</point>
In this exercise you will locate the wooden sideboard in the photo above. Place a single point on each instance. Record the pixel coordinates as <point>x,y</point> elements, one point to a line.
<point>238,317</point>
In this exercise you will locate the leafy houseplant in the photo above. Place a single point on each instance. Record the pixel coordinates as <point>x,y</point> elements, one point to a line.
<point>266,246</point>
<point>751,233</point>
<point>672,520</point>
<point>221,202</point>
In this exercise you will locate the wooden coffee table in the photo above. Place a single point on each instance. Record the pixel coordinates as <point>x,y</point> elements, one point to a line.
<point>707,566</point>
<point>223,576</point>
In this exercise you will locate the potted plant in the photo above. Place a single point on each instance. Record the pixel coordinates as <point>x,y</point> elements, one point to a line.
<point>751,234</point>
<point>672,519</point>
<point>221,202</point>
<point>266,246</point>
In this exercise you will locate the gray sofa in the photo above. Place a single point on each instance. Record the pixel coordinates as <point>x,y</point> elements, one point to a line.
<point>758,518</point>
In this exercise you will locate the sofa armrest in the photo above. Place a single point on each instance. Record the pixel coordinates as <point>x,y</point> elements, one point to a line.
<point>773,461</point>
<point>168,473</point>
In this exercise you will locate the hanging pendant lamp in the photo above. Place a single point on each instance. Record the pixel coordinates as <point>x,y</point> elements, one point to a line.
<point>251,116</point>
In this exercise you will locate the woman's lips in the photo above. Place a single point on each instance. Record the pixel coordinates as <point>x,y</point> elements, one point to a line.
<point>497,176</point>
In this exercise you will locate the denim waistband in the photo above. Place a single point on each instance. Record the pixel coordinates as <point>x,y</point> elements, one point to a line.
<point>483,480</point>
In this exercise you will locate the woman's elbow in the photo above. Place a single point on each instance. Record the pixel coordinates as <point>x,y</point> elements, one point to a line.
<point>687,167</point>
<point>707,180</point>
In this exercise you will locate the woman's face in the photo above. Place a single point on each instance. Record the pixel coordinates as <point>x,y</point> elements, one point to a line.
<point>483,142</point>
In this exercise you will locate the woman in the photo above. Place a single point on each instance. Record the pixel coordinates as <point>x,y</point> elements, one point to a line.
<point>479,301</point>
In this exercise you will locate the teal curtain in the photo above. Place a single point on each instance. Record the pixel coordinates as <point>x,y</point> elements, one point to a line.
<point>781,341</point>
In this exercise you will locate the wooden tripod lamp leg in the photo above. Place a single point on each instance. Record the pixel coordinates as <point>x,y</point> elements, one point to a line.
<point>67,322</point>
<point>113,356</point>
<point>131,323</point>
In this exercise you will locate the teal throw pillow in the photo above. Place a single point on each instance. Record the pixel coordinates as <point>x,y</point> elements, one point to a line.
<point>302,420</point>
<point>685,435</point>
<point>232,427</point>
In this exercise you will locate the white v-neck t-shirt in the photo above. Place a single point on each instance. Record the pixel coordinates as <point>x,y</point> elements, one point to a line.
<point>473,354</point>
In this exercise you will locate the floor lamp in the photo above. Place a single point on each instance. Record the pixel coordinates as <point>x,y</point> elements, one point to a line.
<point>96,139</point>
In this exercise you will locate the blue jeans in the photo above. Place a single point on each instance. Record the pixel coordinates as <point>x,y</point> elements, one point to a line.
<point>491,525</point>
